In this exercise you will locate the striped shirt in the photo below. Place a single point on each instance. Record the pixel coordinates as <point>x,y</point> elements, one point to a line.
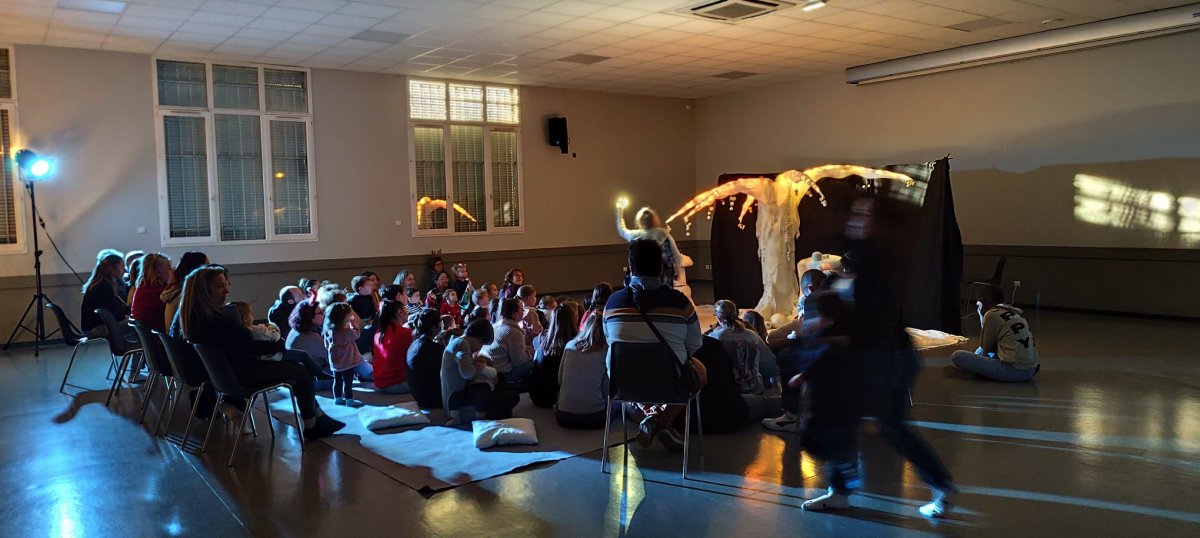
<point>508,350</point>
<point>671,311</point>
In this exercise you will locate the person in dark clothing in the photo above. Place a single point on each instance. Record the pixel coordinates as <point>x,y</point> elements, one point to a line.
<point>365,304</point>
<point>424,360</point>
<point>101,291</point>
<point>203,320</point>
<point>543,381</point>
<point>886,354</point>
<point>279,312</point>
<point>722,407</point>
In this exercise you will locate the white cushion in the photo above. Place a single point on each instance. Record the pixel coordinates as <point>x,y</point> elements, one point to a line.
<point>381,418</point>
<point>510,431</point>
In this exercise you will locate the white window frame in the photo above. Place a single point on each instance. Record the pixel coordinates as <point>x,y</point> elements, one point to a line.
<point>10,104</point>
<point>488,127</point>
<point>208,113</point>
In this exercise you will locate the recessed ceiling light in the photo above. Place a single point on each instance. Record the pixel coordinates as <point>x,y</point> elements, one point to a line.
<point>380,36</point>
<point>99,6</point>
<point>734,75</point>
<point>586,59</point>
<point>814,4</point>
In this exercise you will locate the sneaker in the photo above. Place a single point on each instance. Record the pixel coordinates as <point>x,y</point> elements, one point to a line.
<point>646,431</point>
<point>831,500</point>
<point>354,403</point>
<point>940,505</point>
<point>670,439</point>
<point>339,401</point>
<point>787,422</point>
<point>324,427</point>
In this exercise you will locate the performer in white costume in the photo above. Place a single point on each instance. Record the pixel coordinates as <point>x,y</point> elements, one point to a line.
<point>651,227</point>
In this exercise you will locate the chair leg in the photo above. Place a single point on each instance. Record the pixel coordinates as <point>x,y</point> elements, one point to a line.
<point>70,363</point>
<point>237,437</point>
<point>687,434</point>
<point>147,396</point>
<point>250,411</point>
<point>625,445</point>
<point>299,421</point>
<point>165,410</point>
<point>117,379</point>
<point>187,428</point>
<point>604,447</point>
<point>212,419</point>
<point>267,408</point>
<point>700,424</point>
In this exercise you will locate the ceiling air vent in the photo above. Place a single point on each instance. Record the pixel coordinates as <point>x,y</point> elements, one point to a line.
<point>733,11</point>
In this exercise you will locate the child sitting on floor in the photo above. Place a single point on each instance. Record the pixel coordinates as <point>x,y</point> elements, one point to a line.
<point>450,307</point>
<point>342,329</point>
<point>260,332</point>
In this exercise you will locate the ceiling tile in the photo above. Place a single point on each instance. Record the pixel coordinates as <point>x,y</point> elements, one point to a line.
<point>233,8</point>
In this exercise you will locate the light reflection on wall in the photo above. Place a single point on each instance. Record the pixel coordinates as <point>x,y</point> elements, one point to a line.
<point>1115,204</point>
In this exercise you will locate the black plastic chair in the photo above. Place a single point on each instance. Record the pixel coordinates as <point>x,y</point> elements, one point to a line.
<point>74,338</point>
<point>189,370</point>
<point>118,346</point>
<point>648,373</point>
<point>160,369</point>
<point>972,284</point>
<point>225,381</point>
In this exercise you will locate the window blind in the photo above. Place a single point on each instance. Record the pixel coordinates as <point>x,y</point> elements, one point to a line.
<point>187,176</point>
<point>181,84</point>
<point>8,217</point>
<point>466,102</point>
<point>6,89</point>
<point>286,91</point>
<point>506,199</point>
<point>503,105</point>
<point>235,87</point>
<point>429,154</point>
<point>466,152</point>
<point>426,100</point>
<point>240,196</point>
<point>289,165</point>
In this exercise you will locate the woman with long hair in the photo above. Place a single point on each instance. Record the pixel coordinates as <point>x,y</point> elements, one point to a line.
<point>147,305</point>
<point>595,305</point>
<point>102,290</point>
<point>392,341</point>
<point>190,261</point>
<point>441,283</point>
<point>583,379</point>
<point>543,382</point>
<point>752,359</point>
<point>204,320</point>
<point>412,296</point>
<point>425,360</point>
<point>513,280</point>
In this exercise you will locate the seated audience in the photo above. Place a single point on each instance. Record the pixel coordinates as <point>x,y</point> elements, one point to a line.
<point>101,291</point>
<point>310,286</point>
<point>449,330</point>
<point>583,379</point>
<point>531,322</point>
<point>678,325</point>
<point>189,262</point>
<point>130,276</point>
<point>478,309</point>
<point>363,298</point>
<point>462,283</point>
<point>753,320</point>
<point>373,280</point>
<point>545,306</point>
<point>425,361</point>
<point>509,351</point>
<point>1006,350</point>
<point>722,406</point>
<point>259,332</point>
<point>784,342</point>
<point>437,266</point>
<point>468,381</point>
<point>392,342</point>
<point>341,332</point>
<point>202,320</point>
<point>147,305</point>
<point>281,310</point>
<point>752,360</point>
<point>513,280</point>
<point>450,307</point>
<point>543,381</point>
<point>778,337</point>
<point>304,337</point>
<point>441,283</point>
<point>595,305</point>
<point>328,294</point>
<point>412,296</point>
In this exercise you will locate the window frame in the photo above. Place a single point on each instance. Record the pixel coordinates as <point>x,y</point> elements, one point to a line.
<point>445,125</point>
<point>209,113</point>
<point>18,209</point>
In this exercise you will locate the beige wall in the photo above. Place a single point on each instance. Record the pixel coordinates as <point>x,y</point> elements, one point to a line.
<point>1018,133</point>
<point>93,110</point>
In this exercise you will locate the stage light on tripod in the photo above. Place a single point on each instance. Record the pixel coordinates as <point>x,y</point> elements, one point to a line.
<point>33,165</point>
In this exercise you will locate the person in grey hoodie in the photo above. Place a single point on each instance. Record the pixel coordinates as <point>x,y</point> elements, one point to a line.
<point>1006,350</point>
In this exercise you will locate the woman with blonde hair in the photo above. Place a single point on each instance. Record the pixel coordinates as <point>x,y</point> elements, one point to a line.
<point>147,305</point>
<point>204,320</point>
<point>171,293</point>
<point>583,379</point>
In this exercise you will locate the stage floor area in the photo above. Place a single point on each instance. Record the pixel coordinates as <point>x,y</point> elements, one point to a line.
<point>1105,442</point>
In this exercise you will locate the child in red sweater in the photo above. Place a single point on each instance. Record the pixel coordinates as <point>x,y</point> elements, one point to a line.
<point>450,307</point>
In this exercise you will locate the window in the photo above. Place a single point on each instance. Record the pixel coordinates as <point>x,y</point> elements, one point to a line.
<point>10,205</point>
<point>465,157</point>
<point>235,145</point>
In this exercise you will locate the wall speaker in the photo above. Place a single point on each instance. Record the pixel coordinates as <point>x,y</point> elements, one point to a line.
<point>556,133</point>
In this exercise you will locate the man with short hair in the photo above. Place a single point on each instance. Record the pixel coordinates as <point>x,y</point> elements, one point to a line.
<point>1006,349</point>
<point>672,314</point>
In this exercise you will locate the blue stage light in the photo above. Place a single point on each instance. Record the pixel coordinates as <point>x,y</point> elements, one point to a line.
<point>35,166</point>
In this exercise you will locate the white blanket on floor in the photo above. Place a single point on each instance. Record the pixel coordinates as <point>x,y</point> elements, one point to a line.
<point>929,338</point>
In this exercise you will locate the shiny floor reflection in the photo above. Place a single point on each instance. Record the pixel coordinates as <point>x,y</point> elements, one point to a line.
<point>1105,442</point>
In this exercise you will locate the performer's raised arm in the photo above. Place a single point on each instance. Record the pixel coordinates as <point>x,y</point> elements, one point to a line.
<point>624,232</point>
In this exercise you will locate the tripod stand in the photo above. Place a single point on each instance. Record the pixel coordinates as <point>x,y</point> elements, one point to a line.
<point>39,297</point>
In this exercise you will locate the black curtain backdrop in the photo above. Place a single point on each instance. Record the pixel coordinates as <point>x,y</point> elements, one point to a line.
<point>923,238</point>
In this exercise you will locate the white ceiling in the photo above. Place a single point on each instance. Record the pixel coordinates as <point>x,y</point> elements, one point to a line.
<point>522,41</point>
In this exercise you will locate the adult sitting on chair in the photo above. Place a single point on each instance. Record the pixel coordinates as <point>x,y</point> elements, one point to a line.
<point>1006,348</point>
<point>673,316</point>
<point>203,320</point>
<point>101,291</point>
